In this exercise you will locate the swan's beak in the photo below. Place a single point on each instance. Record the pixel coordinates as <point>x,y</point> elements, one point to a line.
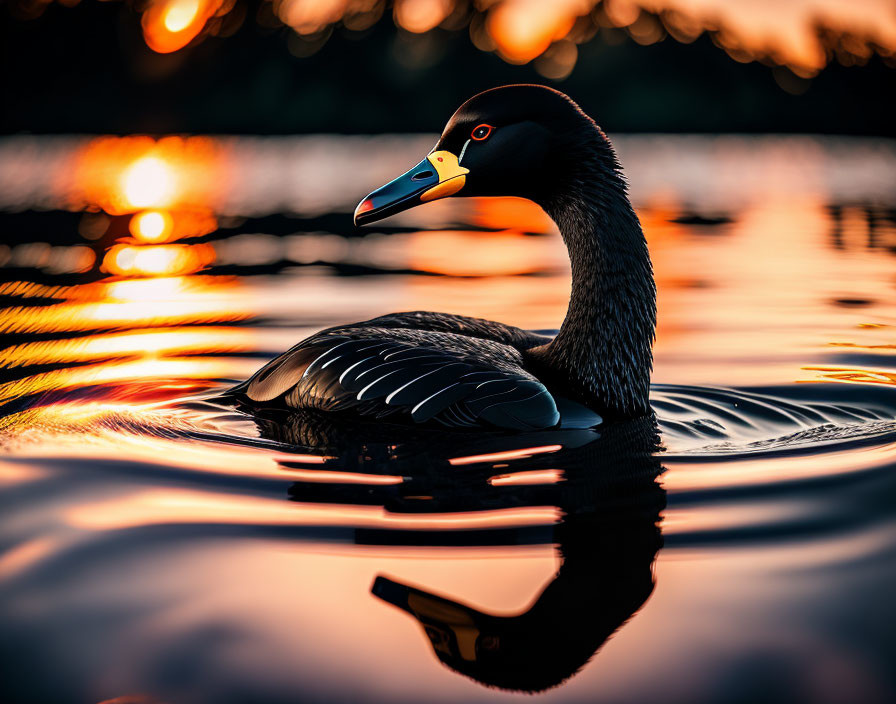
<point>437,176</point>
<point>453,628</point>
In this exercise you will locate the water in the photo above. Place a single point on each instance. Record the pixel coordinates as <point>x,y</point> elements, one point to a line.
<point>157,544</point>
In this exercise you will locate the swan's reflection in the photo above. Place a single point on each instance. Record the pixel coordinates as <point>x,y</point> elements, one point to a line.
<point>608,538</point>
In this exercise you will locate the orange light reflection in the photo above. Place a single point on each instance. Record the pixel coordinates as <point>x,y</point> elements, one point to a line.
<point>683,476</point>
<point>151,226</point>
<point>511,214</point>
<point>149,182</point>
<point>501,456</point>
<point>27,553</point>
<point>205,340</point>
<point>169,259</point>
<point>190,371</point>
<point>535,476</point>
<point>329,477</point>
<point>126,174</point>
<point>505,253</point>
<point>152,507</point>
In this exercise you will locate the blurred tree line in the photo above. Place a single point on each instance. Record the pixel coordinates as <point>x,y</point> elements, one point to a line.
<point>86,69</point>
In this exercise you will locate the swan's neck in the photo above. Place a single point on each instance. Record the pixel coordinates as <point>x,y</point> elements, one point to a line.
<point>603,351</point>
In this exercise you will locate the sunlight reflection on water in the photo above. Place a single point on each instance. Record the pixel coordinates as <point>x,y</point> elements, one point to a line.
<point>202,555</point>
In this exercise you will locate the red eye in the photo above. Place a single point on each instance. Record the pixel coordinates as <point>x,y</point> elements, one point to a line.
<point>481,132</point>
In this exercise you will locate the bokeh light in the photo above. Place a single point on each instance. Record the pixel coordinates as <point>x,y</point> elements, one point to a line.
<point>148,182</point>
<point>179,14</point>
<point>803,35</point>
<point>126,174</point>
<point>525,29</point>
<point>151,226</point>
<point>169,25</point>
<point>157,260</point>
<point>420,16</point>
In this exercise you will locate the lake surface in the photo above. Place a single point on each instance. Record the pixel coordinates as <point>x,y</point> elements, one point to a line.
<point>159,545</point>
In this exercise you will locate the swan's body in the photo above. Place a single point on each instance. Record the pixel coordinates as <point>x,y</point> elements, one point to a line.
<point>463,371</point>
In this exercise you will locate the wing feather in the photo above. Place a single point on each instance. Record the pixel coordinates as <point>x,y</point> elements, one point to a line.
<point>418,375</point>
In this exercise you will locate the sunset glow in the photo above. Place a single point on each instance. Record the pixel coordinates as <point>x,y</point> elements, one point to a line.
<point>128,174</point>
<point>427,351</point>
<point>149,182</point>
<point>150,225</point>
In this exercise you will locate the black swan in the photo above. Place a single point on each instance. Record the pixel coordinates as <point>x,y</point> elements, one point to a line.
<point>520,140</point>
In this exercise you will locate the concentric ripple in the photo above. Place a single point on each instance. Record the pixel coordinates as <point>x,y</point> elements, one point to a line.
<point>736,463</point>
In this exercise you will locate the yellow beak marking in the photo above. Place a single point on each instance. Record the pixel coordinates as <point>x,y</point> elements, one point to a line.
<point>452,176</point>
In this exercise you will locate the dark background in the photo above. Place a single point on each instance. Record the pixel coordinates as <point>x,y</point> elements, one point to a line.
<point>86,69</point>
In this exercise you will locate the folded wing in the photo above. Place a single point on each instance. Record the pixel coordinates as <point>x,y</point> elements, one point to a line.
<point>451,379</point>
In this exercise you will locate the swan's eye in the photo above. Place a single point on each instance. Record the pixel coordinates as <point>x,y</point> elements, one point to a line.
<point>481,132</point>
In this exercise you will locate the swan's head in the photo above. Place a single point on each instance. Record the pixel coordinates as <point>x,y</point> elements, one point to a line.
<point>515,140</point>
